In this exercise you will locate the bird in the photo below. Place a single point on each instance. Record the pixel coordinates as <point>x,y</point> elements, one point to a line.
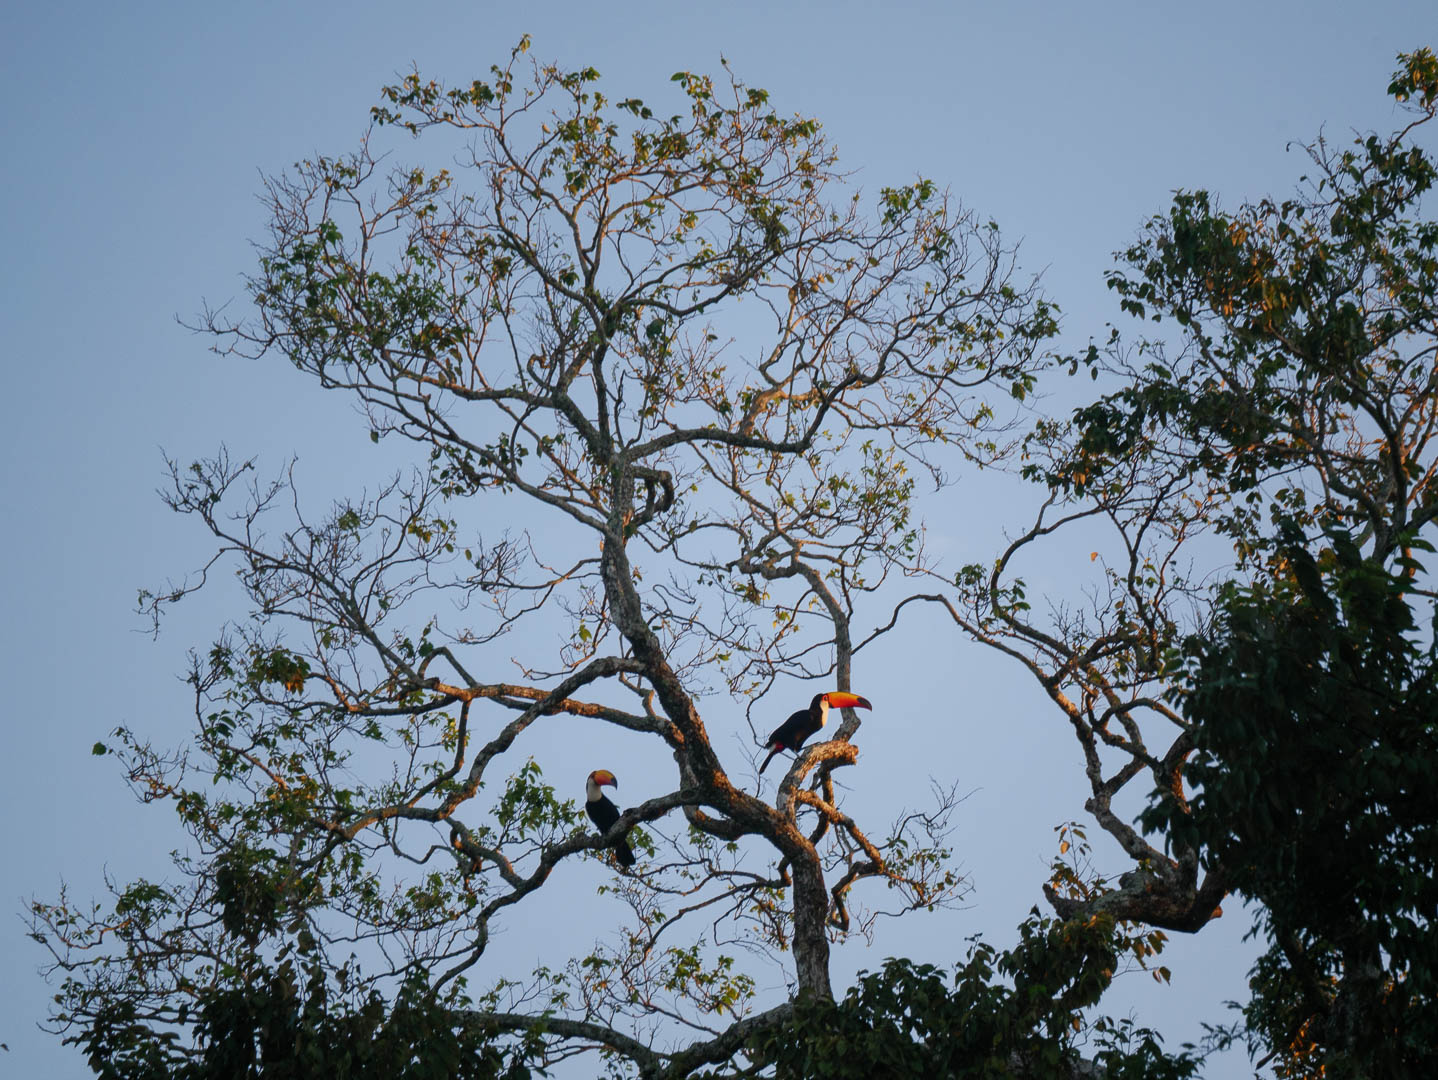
<point>604,813</point>
<point>790,735</point>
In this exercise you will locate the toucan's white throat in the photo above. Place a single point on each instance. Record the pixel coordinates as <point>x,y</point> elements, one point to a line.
<point>591,788</point>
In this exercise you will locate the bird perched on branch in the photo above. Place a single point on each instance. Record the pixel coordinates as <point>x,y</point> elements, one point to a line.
<point>604,813</point>
<point>790,735</point>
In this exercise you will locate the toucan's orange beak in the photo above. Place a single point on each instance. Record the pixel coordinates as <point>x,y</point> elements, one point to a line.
<point>605,779</point>
<point>840,700</point>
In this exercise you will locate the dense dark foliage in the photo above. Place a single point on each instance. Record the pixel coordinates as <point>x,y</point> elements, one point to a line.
<point>1019,1012</point>
<point>292,1023</point>
<point>1316,750</point>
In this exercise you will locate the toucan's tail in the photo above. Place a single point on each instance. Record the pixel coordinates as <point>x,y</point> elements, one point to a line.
<point>768,759</point>
<point>624,852</point>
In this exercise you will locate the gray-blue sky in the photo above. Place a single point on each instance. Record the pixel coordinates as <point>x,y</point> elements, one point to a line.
<point>130,152</point>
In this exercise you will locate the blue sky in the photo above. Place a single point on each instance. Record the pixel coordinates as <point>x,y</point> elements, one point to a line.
<point>131,149</point>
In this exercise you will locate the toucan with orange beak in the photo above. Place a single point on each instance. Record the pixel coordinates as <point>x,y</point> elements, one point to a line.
<point>604,813</point>
<point>790,735</point>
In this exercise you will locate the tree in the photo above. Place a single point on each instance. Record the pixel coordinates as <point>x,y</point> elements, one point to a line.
<point>693,494</point>
<point>1276,697</point>
<point>680,339</point>
<point>1309,387</point>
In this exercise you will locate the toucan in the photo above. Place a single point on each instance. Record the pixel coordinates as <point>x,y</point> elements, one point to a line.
<point>604,813</point>
<point>790,735</point>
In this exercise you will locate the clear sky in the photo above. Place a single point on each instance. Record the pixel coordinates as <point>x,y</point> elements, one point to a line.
<point>131,146</point>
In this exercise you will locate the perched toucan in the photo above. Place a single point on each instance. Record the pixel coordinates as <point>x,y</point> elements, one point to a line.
<point>604,813</point>
<point>790,735</point>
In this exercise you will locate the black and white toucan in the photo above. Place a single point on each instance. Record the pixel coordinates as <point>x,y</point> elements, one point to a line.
<point>604,813</point>
<point>790,735</point>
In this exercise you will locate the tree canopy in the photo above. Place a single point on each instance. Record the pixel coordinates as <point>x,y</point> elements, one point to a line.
<point>679,397</point>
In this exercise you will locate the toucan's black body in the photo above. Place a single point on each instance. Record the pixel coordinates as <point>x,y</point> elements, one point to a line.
<point>792,733</point>
<point>604,813</point>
